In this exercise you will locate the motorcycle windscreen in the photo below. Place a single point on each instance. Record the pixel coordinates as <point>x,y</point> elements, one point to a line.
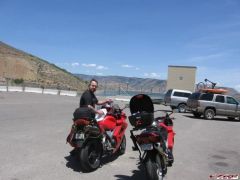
<point>140,103</point>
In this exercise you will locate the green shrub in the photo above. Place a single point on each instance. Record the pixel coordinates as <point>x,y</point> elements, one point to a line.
<point>18,81</point>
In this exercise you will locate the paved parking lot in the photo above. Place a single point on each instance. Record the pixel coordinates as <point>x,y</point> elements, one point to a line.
<point>33,129</point>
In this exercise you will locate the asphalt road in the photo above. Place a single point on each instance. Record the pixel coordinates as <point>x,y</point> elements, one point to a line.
<point>33,130</point>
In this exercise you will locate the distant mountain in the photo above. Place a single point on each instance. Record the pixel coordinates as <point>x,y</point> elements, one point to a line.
<point>18,66</point>
<point>127,83</point>
<point>138,84</point>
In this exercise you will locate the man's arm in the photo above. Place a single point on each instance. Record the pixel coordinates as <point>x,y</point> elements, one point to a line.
<point>96,111</point>
<point>104,101</point>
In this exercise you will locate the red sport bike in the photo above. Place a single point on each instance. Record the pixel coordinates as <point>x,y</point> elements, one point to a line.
<point>96,137</point>
<point>155,139</point>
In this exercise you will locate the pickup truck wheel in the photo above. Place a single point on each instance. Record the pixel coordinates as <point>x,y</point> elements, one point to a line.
<point>182,108</point>
<point>209,114</point>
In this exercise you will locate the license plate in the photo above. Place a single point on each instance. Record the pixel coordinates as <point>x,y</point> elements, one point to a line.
<point>79,136</point>
<point>146,147</point>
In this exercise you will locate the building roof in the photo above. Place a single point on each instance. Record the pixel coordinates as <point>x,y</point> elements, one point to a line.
<point>194,67</point>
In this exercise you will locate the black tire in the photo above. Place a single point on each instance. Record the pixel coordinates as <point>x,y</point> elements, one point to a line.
<point>154,170</point>
<point>122,147</point>
<point>231,118</point>
<point>182,108</point>
<point>90,156</point>
<point>197,115</point>
<point>173,107</point>
<point>209,114</point>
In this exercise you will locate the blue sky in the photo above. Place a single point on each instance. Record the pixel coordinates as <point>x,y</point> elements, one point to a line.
<point>135,38</point>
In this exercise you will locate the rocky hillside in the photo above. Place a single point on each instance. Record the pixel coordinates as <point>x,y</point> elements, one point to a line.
<point>17,66</point>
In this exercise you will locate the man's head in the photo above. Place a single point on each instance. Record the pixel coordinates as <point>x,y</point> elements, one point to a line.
<point>93,84</point>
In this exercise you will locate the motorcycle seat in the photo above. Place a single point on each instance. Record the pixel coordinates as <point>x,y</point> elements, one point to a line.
<point>81,122</point>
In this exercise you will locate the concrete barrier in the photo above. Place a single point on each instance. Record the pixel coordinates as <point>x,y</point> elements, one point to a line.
<point>123,99</point>
<point>3,88</point>
<point>68,93</point>
<point>51,91</point>
<point>33,90</point>
<point>15,89</point>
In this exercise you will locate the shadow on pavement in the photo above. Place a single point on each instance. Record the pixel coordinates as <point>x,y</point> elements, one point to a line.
<point>138,174</point>
<point>74,163</point>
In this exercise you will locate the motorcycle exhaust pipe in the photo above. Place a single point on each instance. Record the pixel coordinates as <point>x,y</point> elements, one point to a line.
<point>158,147</point>
<point>160,150</point>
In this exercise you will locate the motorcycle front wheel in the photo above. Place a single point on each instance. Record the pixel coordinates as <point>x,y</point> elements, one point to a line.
<point>122,147</point>
<point>154,169</point>
<point>90,156</point>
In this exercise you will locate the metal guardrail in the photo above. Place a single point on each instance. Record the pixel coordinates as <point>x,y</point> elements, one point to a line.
<point>157,98</point>
<point>37,90</point>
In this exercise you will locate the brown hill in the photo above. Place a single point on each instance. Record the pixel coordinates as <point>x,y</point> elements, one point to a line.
<point>17,65</point>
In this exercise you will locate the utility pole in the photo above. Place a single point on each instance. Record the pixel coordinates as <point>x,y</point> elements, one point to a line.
<point>119,89</point>
<point>105,86</point>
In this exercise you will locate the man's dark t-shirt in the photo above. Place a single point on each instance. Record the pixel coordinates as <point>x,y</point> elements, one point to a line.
<point>88,98</point>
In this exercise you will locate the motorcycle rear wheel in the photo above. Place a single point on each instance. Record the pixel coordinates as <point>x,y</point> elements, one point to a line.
<point>154,169</point>
<point>90,156</point>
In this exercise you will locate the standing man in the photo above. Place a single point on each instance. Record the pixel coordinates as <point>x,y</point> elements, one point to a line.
<point>88,98</point>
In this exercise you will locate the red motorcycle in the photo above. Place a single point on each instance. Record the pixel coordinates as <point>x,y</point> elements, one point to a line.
<point>96,137</point>
<point>156,138</point>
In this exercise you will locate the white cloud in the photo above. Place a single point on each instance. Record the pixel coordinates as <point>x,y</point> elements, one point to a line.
<point>152,75</point>
<point>207,57</point>
<point>237,87</point>
<point>127,66</point>
<point>130,67</point>
<point>75,64</point>
<point>89,65</point>
<point>100,67</point>
<point>95,66</point>
<point>62,64</point>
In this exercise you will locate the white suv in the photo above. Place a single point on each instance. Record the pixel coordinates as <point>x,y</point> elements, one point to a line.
<point>177,99</point>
